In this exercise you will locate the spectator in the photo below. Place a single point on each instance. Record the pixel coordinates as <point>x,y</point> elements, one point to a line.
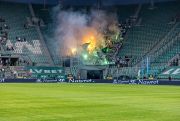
<point>169,77</point>
<point>26,25</point>
<point>2,20</point>
<point>18,39</point>
<point>24,39</point>
<point>6,26</point>
<point>1,39</point>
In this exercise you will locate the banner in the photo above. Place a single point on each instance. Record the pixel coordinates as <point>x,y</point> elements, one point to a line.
<point>46,72</point>
<point>173,72</point>
<point>132,82</point>
<point>18,80</point>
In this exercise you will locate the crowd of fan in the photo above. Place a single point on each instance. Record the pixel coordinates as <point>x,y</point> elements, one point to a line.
<point>33,21</point>
<point>175,18</point>
<point>9,47</point>
<point>175,61</point>
<point>124,27</point>
<point>4,36</point>
<point>123,62</point>
<point>3,32</point>
<point>10,62</point>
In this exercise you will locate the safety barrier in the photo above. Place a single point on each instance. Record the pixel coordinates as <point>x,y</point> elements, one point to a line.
<point>135,82</point>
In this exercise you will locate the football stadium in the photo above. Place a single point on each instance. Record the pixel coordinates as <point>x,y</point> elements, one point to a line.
<point>89,60</point>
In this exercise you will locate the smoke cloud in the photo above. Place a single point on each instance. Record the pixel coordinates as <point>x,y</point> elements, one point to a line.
<point>75,28</point>
<point>70,28</point>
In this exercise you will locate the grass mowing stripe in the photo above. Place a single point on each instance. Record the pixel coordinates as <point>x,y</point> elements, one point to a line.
<point>88,102</point>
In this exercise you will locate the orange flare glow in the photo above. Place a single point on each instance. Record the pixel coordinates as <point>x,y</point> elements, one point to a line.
<point>90,38</point>
<point>73,51</point>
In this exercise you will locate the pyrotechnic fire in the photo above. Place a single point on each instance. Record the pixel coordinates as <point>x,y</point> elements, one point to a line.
<point>74,51</point>
<point>90,38</point>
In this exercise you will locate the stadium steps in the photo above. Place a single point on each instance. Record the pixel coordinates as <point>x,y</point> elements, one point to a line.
<point>48,31</point>
<point>140,40</point>
<point>41,37</point>
<point>15,17</point>
<point>155,50</point>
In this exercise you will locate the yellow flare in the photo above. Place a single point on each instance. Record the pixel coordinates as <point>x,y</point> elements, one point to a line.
<point>73,51</point>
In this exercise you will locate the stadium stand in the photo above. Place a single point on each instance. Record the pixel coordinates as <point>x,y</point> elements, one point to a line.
<point>27,32</point>
<point>15,20</point>
<point>155,27</point>
<point>48,29</point>
<point>155,31</point>
<point>170,72</point>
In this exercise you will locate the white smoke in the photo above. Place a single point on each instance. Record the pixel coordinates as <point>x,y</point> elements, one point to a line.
<point>73,26</point>
<point>70,27</point>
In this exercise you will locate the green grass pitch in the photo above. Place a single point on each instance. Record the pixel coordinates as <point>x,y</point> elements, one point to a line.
<point>88,102</point>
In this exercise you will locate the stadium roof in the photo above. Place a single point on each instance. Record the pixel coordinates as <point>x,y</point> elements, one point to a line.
<point>86,2</point>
